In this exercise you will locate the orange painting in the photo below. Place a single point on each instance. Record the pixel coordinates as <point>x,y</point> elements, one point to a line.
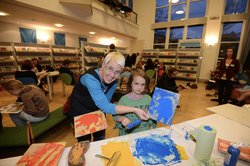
<point>89,123</point>
<point>42,154</point>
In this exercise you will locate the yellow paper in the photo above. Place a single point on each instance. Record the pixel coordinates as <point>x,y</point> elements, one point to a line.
<point>182,152</point>
<point>126,158</point>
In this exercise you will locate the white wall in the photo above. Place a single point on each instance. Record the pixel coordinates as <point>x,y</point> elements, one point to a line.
<point>146,16</point>
<point>9,33</point>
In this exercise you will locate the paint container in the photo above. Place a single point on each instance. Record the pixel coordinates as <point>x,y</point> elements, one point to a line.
<point>204,136</point>
<point>232,155</point>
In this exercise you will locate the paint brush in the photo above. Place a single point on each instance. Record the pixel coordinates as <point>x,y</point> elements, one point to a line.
<point>113,160</point>
<point>133,124</point>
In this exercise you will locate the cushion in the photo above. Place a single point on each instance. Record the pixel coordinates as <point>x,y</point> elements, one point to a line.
<point>54,118</point>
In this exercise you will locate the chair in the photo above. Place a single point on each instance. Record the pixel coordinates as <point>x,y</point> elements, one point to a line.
<point>66,80</point>
<point>26,80</point>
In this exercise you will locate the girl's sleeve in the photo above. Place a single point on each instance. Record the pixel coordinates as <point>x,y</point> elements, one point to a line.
<point>101,100</point>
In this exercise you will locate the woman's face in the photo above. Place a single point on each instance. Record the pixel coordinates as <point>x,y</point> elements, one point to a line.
<point>111,71</point>
<point>229,53</point>
<point>138,85</point>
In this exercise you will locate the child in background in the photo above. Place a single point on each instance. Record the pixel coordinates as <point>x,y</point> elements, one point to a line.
<point>137,97</point>
<point>124,85</point>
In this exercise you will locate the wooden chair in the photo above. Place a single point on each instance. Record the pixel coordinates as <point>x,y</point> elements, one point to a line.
<point>66,80</point>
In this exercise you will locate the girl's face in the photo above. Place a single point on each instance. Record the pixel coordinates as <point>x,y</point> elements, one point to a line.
<point>111,71</point>
<point>138,85</point>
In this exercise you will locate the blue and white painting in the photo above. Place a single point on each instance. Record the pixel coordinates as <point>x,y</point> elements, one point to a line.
<point>155,150</point>
<point>163,105</point>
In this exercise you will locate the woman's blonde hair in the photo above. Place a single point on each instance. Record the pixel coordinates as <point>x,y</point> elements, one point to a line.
<point>13,85</point>
<point>117,57</point>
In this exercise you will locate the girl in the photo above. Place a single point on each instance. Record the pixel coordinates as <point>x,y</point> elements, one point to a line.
<point>137,97</point>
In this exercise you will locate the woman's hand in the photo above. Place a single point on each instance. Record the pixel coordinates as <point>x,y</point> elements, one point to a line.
<point>142,114</point>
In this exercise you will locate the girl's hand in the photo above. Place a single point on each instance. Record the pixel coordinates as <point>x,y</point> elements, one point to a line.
<point>142,114</point>
<point>125,121</point>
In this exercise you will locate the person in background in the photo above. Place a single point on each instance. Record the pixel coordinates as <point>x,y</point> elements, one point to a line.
<point>139,64</point>
<point>26,71</point>
<point>1,121</point>
<point>161,69</point>
<point>36,64</point>
<point>149,65</point>
<point>138,98</point>
<point>112,48</point>
<point>168,82</point>
<point>227,71</point>
<point>65,69</point>
<point>95,89</point>
<point>36,105</point>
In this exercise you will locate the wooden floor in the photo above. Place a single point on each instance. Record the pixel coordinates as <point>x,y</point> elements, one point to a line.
<point>192,105</point>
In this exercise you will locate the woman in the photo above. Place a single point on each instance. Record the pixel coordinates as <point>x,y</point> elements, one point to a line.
<point>167,80</point>
<point>26,72</point>
<point>228,69</point>
<point>65,69</point>
<point>36,105</point>
<point>95,89</point>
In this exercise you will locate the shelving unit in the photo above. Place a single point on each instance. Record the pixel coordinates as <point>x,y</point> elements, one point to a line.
<point>93,54</point>
<point>7,62</point>
<point>167,56</point>
<point>25,51</point>
<point>60,53</point>
<point>188,60</point>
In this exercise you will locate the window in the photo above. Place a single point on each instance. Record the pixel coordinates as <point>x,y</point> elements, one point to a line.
<point>160,38</point>
<point>235,6</point>
<point>178,12</point>
<point>28,35</point>
<point>230,37</point>
<point>176,33</point>
<point>59,39</point>
<point>197,9</point>
<point>161,14</point>
<point>195,32</point>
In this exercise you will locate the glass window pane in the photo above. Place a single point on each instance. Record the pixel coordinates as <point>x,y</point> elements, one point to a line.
<point>161,3</point>
<point>231,31</point>
<point>172,45</point>
<point>224,46</point>
<point>175,34</point>
<point>197,9</point>
<point>160,36</point>
<point>235,6</point>
<point>178,12</point>
<point>161,14</point>
<point>159,46</point>
<point>195,32</point>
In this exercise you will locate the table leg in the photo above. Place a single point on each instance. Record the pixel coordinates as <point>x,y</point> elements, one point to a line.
<point>50,90</point>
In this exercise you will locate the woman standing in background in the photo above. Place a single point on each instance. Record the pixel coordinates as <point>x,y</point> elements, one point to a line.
<point>228,69</point>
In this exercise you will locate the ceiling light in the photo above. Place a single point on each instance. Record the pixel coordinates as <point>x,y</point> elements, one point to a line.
<point>179,12</point>
<point>175,1</point>
<point>58,25</point>
<point>3,14</point>
<point>92,33</point>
